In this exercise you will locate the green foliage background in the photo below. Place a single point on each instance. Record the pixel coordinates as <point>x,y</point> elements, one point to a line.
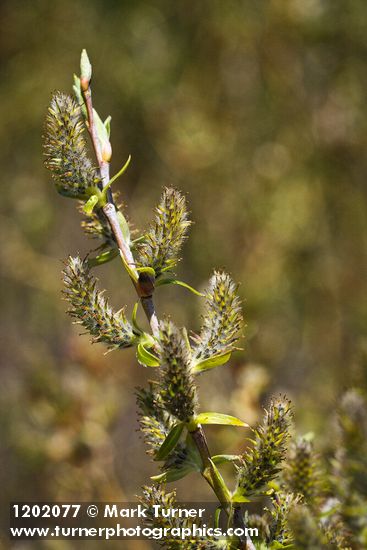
<point>257,111</point>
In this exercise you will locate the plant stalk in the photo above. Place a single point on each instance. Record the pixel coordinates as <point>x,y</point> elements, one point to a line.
<point>208,471</point>
<point>245,541</point>
<point>147,302</point>
<point>110,212</point>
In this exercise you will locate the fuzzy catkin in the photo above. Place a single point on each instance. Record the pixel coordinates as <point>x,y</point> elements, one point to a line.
<point>164,239</point>
<point>282,505</point>
<point>301,474</point>
<point>91,309</point>
<point>222,319</point>
<point>261,463</point>
<point>157,496</point>
<point>155,422</point>
<point>306,533</point>
<point>178,391</point>
<point>65,148</point>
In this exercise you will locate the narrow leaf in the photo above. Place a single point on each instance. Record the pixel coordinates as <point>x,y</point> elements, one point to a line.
<point>90,204</point>
<point>222,459</point>
<point>239,498</point>
<point>120,172</point>
<point>107,124</point>
<point>193,453</point>
<point>148,270</point>
<point>217,514</point>
<point>173,474</point>
<point>170,442</point>
<point>275,545</point>
<point>145,357</point>
<point>172,281</point>
<point>124,227</point>
<point>78,95</point>
<point>102,132</point>
<point>134,319</point>
<point>219,481</point>
<point>103,258</point>
<point>85,66</point>
<point>212,362</point>
<point>138,240</point>
<point>131,270</point>
<point>219,418</point>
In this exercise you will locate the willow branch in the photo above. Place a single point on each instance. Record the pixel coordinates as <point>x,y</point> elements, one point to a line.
<point>145,289</point>
<point>208,472</point>
<point>210,475</point>
<point>245,541</point>
<point>109,210</point>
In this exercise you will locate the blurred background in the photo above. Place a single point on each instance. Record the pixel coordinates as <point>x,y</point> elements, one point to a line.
<point>257,112</point>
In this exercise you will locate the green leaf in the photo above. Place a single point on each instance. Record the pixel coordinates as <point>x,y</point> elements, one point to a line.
<point>217,514</point>
<point>103,258</point>
<point>129,268</point>
<point>107,124</point>
<point>212,362</point>
<point>148,270</point>
<point>193,454</point>
<point>192,463</point>
<point>173,474</point>
<point>222,459</point>
<point>119,173</point>
<point>76,87</point>
<point>124,227</point>
<point>172,281</point>
<point>79,97</point>
<point>187,340</point>
<point>139,240</point>
<point>145,357</point>
<point>134,319</point>
<point>90,204</point>
<point>237,497</point>
<point>276,545</point>
<point>85,66</point>
<point>170,442</point>
<point>101,129</point>
<point>77,91</point>
<point>218,418</point>
<point>219,481</point>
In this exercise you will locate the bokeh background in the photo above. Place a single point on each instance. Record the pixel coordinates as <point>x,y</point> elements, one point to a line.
<point>257,111</point>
